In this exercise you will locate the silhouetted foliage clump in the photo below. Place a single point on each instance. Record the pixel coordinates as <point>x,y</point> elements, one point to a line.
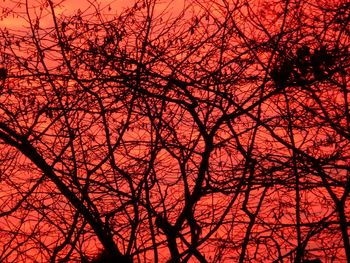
<point>303,67</point>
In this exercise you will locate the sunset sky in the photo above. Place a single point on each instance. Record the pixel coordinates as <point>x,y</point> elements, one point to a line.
<point>174,131</point>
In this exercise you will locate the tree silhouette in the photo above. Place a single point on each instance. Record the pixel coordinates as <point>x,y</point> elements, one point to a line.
<point>195,131</point>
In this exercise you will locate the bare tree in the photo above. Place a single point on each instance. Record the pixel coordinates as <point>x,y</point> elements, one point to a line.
<point>210,131</point>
